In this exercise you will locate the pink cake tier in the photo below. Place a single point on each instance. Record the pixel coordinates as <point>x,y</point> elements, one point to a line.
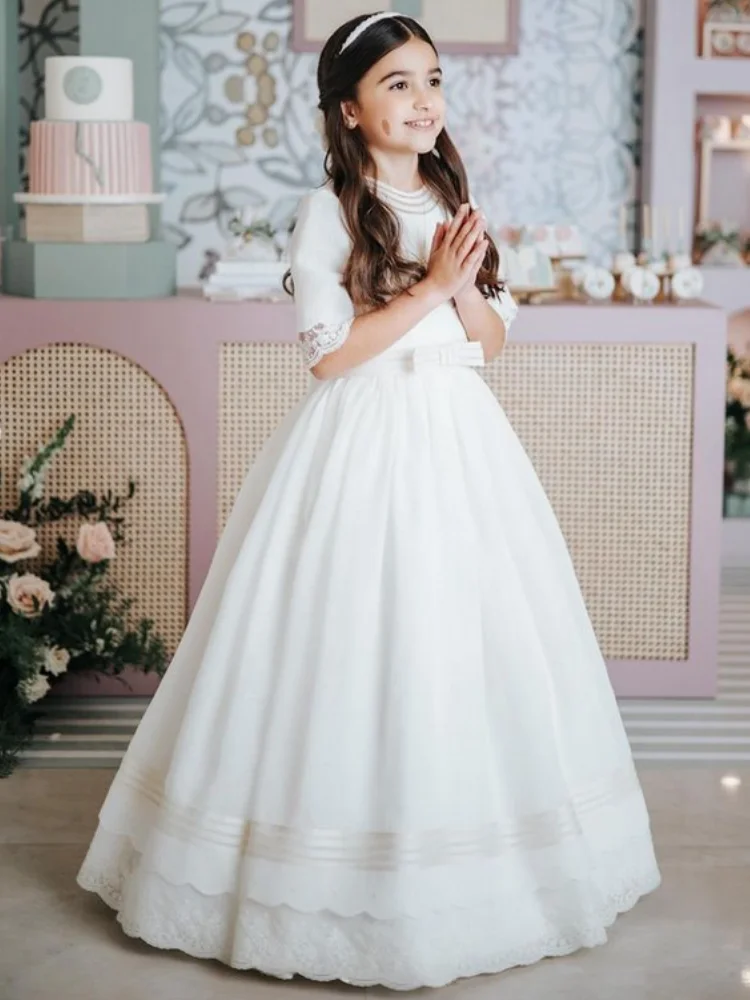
<point>89,159</point>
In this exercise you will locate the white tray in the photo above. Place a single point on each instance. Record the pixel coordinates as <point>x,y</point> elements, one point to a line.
<point>91,199</point>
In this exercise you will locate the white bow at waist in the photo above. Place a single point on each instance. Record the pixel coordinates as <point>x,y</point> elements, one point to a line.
<point>469,352</point>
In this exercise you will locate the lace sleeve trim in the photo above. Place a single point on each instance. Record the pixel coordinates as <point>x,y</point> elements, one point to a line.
<point>323,339</point>
<point>506,307</point>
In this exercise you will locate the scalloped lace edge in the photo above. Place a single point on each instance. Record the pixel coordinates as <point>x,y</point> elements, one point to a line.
<point>351,942</point>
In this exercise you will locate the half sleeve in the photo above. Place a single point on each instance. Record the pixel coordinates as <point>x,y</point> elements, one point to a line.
<point>319,250</point>
<point>505,305</point>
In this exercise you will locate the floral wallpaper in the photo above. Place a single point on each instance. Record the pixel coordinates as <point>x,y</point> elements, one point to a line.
<point>46,28</point>
<point>550,135</point>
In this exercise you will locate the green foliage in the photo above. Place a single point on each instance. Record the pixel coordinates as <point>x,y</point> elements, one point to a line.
<point>737,426</point>
<point>86,627</point>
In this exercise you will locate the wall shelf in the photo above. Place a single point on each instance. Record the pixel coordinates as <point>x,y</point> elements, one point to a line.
<point>720,76</point>
<point>676,77</point>
<point>728,285</point>
<point>726,145</point>
<point>707,148</point>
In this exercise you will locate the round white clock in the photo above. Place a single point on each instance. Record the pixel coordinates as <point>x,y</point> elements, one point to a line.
<point>598,283</point>
<point>723,42</point>
<point>687,284</point>
<point>643,284</point>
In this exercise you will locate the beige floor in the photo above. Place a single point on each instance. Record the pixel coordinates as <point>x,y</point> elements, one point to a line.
<point>690,940</point>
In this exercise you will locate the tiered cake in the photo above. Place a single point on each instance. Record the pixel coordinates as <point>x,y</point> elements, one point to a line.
<point>90,177</point>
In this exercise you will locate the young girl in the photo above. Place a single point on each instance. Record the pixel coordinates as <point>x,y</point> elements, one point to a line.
<point>387,750</point>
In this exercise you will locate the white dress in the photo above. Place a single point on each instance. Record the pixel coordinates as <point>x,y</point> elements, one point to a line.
<point>387,750</point>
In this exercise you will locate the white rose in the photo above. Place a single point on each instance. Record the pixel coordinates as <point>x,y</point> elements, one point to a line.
<point>56,660</point>
<point>31,689</point>
<point>17,541</point>
<point>739,389</point>
<point>26,591</point>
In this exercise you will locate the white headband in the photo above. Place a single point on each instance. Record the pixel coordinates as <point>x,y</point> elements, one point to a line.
<point>364,25</point>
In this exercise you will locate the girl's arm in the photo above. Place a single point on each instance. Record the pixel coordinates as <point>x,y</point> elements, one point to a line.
<point>371,333</point>
<point>458,256</point>
<point>485,320</point>
<point>481,321</point>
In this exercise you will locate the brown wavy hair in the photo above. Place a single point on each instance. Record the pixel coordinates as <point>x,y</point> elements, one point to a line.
<point>376,269</point>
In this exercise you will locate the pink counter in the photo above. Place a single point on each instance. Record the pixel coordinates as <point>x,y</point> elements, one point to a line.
<point>671,397</point>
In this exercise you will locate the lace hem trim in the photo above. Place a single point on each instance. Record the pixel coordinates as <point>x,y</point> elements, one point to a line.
<point>401,954</point>
<point>323,339</point>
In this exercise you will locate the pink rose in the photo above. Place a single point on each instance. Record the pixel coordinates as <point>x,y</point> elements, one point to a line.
<point>736,388</point>
<point>23,589</point>
<point>95,543</point>
<point>17,541</point>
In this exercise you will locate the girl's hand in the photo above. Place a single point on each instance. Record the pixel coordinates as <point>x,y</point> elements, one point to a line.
<point>457,251</point>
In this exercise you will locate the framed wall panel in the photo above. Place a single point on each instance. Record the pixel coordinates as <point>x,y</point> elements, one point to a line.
<point>479,27</point>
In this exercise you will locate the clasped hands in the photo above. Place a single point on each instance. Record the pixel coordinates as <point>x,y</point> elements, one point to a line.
<point>457,251</point>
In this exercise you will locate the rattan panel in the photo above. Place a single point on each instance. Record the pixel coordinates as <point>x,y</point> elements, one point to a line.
<point>609,430</point>
<point>125,427</point>
<point>259,384</point>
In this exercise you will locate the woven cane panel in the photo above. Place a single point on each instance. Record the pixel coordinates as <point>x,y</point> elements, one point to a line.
<point>125,427</point>
<point>609,430</point>
<point>259,385</point>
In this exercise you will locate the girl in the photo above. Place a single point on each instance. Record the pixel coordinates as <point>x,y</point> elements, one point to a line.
<point>387,750</point>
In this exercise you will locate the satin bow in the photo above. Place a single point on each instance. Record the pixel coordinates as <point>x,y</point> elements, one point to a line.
<point>470,352</point>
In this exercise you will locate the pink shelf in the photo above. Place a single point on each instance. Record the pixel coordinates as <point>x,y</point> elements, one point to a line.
<point>720,76</point>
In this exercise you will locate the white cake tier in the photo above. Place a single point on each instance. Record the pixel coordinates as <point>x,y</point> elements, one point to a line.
<point>92,199</point>
<point>88,159</point>
<point>88,88</point>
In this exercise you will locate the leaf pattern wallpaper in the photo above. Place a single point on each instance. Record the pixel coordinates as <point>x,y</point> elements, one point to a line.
<point>46,28</point>
<point>549,135</point>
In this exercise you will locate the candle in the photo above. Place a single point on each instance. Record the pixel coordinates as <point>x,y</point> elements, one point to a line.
<point>623,227</point>
<point>667,230</point>
<point>654,230</point>
<point>681,229</point>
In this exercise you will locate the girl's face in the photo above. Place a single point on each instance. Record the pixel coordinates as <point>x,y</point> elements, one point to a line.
<point>400,106</point>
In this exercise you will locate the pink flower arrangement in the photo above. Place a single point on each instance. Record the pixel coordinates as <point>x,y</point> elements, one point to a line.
<point>61,615</point>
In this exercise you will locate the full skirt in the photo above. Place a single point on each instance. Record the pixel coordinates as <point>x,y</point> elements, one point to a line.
<point>387,750</point>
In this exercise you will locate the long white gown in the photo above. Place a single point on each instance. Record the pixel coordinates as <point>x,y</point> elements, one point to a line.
<point>387,750</point>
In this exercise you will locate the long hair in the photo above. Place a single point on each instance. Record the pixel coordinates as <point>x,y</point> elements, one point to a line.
<point>376,269</point>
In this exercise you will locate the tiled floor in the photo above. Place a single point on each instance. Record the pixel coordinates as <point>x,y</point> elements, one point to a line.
<point>690,940</point>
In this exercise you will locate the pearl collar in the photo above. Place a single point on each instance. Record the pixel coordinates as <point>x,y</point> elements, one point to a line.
<point>416,202</point>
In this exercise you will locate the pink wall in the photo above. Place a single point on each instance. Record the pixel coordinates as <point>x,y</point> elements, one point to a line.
<point>739,333</point>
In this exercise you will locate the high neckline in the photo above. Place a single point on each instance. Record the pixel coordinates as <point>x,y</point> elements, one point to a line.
<point>420,200</point>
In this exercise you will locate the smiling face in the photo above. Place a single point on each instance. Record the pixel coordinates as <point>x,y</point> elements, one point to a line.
<point>400,107</point>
